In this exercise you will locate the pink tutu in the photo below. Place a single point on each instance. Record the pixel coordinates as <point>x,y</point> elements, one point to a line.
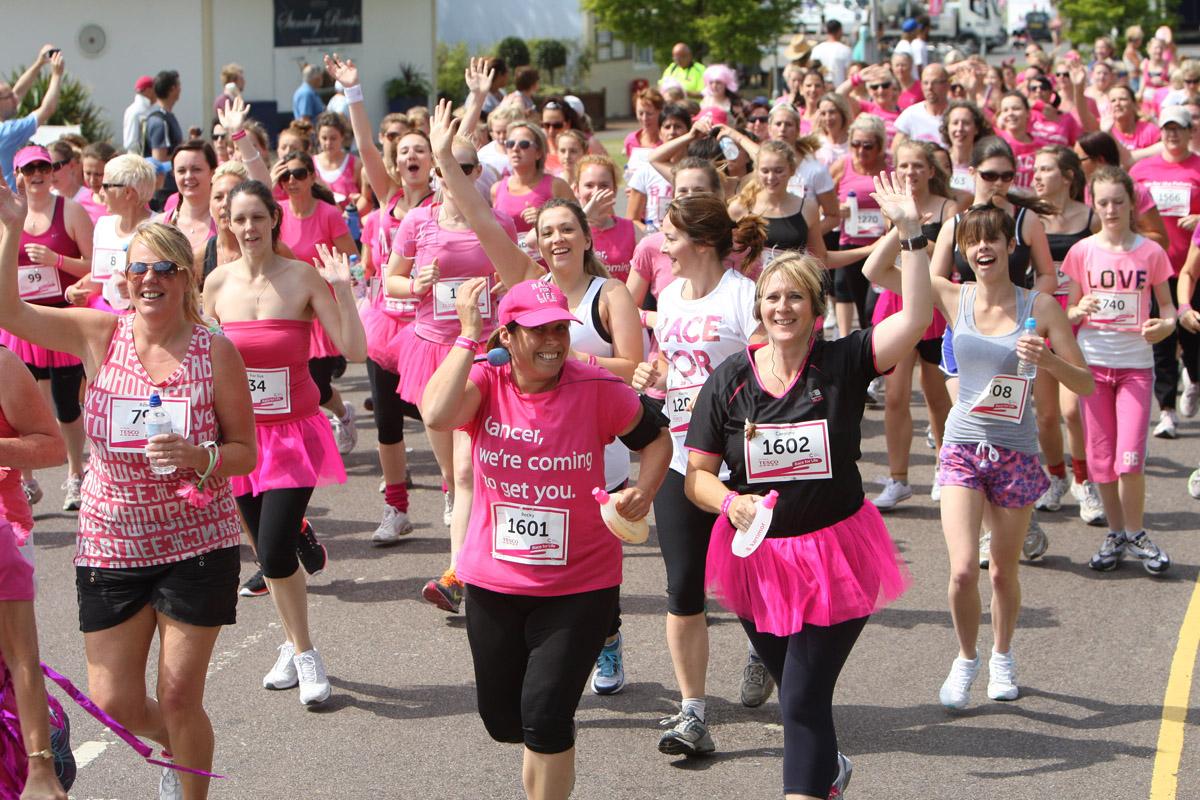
<point>293,455</point>
<point>889,303</point>
<point>382,329</point>
<point>35,355</point>
<point>843,572</point>
<point>417,359</point>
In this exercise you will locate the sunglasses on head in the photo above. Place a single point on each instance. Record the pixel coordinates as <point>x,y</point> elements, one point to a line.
<point>35,167</point>
<point>863,145</point>
<point>553,126</point>
<point>297,174</point>
<point>163,269</point>
<point>553,106</point>
<point>991,177</point>
<point>874,87</point>
<point>523,144</point>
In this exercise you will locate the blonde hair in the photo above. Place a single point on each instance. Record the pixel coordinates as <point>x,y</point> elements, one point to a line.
<point>169,243</point>
<point>801,270</point>
<point>234,168</point>
<point>133,171</point>
<point>597,161</point>
<point>231,72</point>
<point>873,125</point>
<point>537,133</point>
<point>748,196</point>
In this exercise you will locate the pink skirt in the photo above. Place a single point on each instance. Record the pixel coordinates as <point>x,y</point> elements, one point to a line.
<point>846,571</point>
<point>382,329</point>
<point>889,303</point>
<point>36,355</point>
<point>417,359</point>
<point>292,455</point>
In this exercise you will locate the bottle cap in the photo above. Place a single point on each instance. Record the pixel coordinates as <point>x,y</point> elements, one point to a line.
<point>1030,324</point>
<point>600,495</point>
<point>155,400</point>
<point>770,500</point>
<point>851,194</point>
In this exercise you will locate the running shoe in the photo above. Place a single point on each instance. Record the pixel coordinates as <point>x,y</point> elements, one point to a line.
<point>1051,499</point>
<point>875,391</point>
<point>169,785</point>
<point>1002,677</point>
<point>1091,507</point>
<point>32,490</point>
<point>314,684</point>
<point>757,683</point>
<point>956,691</point>
<point>1110,553</point>
<point>1167,427</point>
<point>255,586</point>
<point>313,555</point>
<point>845,770</point>
<point>447,508</point>
<point>1151,555</point>
<point>894,492</point>
<point>985,549</point>
<point>395,524</point>
<point>445,592</point>
<point>1036,541</point>
<point>72,497</point>
<point>1194,483</point>
<point>930,439</point>
<point>688,736</point>
<point>368,403</point>
<point>283,675</point>
<point>344,430</point>
<point>1189,398</point>
<point>935,491</point>
<point>60,745</point>
<point>609,675</point>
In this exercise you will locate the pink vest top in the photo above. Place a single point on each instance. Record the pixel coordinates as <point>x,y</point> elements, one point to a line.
<point>614,247</point>
<point>58,239</point>
<point>514,204</point>
<point>13,506</point>
<point>276,356</point>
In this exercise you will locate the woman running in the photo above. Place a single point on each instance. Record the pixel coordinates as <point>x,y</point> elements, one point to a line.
<point>805,594</point>
<point>266,305</point>
<point>340,170</point>
<point>1012,125</point>
<point>193,164</point>
<point>614,238</point>
<point>862,223</point>
<point>527,189</point>
<point>1112,276</point>
<point>649,191</point>
<point>148,560</point>
<point>963,125</point>
<point>128,186</point>
<point>793,223</point>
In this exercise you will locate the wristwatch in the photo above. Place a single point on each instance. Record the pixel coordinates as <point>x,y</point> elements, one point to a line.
<point>916,243</point>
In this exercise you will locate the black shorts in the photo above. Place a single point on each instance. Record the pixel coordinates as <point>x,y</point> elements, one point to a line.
<point>930,351</point>
<point>324,371</point>
<point>201,590</point>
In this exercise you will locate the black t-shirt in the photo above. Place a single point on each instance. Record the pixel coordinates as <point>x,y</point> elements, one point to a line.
<point>829,395</point>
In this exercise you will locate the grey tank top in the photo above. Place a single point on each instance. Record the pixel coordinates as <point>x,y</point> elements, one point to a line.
<point>980,359</point>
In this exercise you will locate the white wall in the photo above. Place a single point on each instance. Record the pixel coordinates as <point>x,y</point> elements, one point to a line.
<point>145,37</point>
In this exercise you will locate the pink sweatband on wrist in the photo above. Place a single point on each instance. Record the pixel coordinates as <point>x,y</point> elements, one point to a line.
<point>727,502</point>
<point>238,136</point>
<point>466,343</point>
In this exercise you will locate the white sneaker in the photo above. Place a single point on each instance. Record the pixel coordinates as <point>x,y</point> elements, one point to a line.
<point>1002,677</point>
<point>956,691</point>
<point>985,549</point>
<point>875,391</point>
<point>395,524</point>
<point>314,685</point>
<point>930,439</point>
<point>1091,507</point>
<point>1167,426</point>
<point>1036,541</point>
<point>1051,499</point>
<point>935,491</point>
<point>1189,399</point>
<point>344,430</point>
<point>32,490</point>
<point>283,674</point>
<point>447,508</point>
<point>1194,483</point>
<point>73,494</point>
<point>894,492</point>
<point>169,785</point>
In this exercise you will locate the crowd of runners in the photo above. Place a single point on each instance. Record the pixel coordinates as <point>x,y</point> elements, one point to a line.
<point>176,315</point>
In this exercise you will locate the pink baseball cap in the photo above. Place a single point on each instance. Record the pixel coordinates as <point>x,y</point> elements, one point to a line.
<point>717,116</point>
<point>30,154</point>
<point>534,303</point>
<point>143,83</point>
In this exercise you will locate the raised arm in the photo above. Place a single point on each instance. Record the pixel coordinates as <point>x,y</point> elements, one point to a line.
<point>479,82</point>
<point>451,399</point>
<point>662,156</point>
<point>376,172</point>
<point>233,119</point>
<point>29,76</point>
<point>338,313</point>
<point>50,101</point>
<point>896,336</point>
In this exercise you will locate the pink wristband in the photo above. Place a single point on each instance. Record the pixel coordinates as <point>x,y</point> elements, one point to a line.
<point>58,264</point>
<point>239,135</point>
<point>642,316</point>
<point>412,286</point>
<point>466,343</point>
<point>592,360</point>
<point>856,79</point>
<point>727,502</point>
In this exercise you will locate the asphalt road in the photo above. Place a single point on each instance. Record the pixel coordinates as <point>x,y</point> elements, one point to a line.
<point>1093,651</point>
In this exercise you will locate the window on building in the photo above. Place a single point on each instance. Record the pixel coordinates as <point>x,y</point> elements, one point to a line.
<point>610,48</point>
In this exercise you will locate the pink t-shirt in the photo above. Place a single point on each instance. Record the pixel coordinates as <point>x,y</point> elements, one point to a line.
<point>614,246</point>
<point>534,528</point>
<point>650,262</point>
<point>1026,154</point>
<point>1065,130</point>
<point>1144,134</point>
<point>321,227</point>
<point>91,203</point>
<point>460,257</point>
<point>633,142</point>
<point>912,95</point>
<point>1122,282</point>
<point>1176,191</point>
<point>888,117</point>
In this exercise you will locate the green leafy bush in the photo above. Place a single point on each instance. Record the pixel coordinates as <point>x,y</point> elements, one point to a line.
<point>514,51</point>
<point>75,106</point>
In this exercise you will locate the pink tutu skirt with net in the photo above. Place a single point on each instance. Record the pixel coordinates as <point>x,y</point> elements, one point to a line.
<point>292,455</point>
<point>889,303</point>
<point>382,329</point>
<point>846,571</point>
<point>417,359</point>
<point>36,355</point>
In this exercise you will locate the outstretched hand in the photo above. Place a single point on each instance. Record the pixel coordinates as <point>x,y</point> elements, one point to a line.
<point>896,201</point>
<point>333,265</point>
<point>233,116</point>
<point>478,76</point>
<point>12,207</point>
<point>344,72</point>
<point>443,127</point>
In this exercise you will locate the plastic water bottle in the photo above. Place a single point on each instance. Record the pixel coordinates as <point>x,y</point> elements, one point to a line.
<point>627,530</point>
<point>158,421</point>
<point>1026,369</point>
<point>852,220</point>
<point>357,277</point>
<point>746,542</point>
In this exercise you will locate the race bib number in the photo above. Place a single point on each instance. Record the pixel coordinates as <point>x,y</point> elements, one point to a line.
<point>962,181</point>
<point>680,401</point>
<point>795,452</point>
<point>1063,279</point>
<point>127,421</point>
<point>39,283</point>
<point>446,292</point>
<point>400,306</point>
<point>529,534</point>
<point>1172,199</point>
<point>1003,398</point>
<point>106,262</point>
<point>870,222</point>
<point>270,390</point>
<point>1118,311</point>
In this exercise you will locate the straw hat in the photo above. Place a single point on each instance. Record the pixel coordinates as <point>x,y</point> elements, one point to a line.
<point>798,47</point>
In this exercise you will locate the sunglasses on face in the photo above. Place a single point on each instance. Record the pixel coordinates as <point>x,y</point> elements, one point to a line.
<point>1190,81</point>
<point>393,136</point>
<point>991,177</point>
<point>466,168</point>
<point>57,165</point>
<point>863,145</point>
<point>1063,75</point>
<point>297,174</point>
<point>875,87</point>
<point>163,269</point>
<point>36,167</point>
<point>513,144</point>
<point>107,186</point>
<point>758,120</point>
<point>553,126</point>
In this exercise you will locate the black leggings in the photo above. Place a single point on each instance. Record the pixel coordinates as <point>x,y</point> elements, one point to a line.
<point>64,389</point>
<point>805,667</point>
<point>533,656</point>
<point>274,519</point>
<point>1166,355</point>
<point>390,408</point>
<point>851,286</point>
<point>683,534</point>
<point>323,370</point>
